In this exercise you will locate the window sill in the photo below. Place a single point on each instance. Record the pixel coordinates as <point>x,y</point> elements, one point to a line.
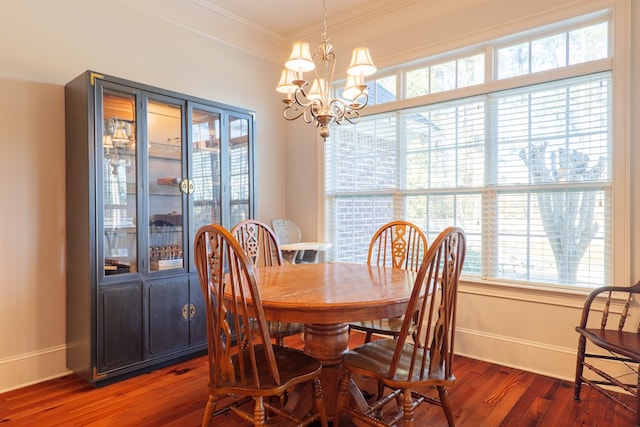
<point>542,294</point>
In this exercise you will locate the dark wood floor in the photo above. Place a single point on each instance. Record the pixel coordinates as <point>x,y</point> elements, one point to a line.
<point>484,395</point>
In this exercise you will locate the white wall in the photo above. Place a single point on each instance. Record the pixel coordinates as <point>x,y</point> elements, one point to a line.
<point>32,232</point>
<point>44,44</point>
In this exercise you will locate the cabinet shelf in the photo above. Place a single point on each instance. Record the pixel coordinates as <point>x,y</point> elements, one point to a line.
<point>164,190</point>
<point>161,151</point>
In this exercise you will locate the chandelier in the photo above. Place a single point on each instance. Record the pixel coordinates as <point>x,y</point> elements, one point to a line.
<point>315,104</point>
<point>118,137</point>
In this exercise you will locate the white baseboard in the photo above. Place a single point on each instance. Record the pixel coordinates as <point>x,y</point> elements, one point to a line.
<point>540,358</point>
<point>31,368</point>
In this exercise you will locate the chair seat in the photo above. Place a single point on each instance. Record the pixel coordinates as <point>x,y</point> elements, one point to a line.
<point>374,358</point>
<point>294,367</point>
<point>620,342</point>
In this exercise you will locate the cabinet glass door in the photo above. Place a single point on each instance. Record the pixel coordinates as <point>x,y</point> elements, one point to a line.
<point>119,183</point>
<point>239,169</point>
<point>205,172</point>
<point>166,185</point>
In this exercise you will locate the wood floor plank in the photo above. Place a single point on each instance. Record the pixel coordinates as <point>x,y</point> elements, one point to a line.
<point>529,410</point>
<point>485,394</point>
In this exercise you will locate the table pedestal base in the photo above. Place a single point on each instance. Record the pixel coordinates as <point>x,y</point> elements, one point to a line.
<point>327,344</point>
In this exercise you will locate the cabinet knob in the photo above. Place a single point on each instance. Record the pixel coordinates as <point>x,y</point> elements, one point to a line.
<point>188,311</point>
<point>186,185</point>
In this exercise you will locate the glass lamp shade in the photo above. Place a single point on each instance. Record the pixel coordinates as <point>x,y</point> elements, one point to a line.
<point>286,85</point>
<point>317,88</point>
<point>107,142</point>
<point>120,135</point>
<point>351,90</point>
<point>361,63</point>
<point>300,60</point>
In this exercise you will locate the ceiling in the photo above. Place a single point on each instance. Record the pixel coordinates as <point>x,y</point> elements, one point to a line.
<point>287,17</point>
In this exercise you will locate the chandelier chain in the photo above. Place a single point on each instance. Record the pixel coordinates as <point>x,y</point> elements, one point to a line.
<point>324,36</point>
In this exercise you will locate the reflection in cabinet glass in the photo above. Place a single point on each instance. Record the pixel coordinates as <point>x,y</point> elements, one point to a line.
<point>164,131</point>
<point>119,183</point>
<point>239,167</point>
<point>205,128</point>
<point>146,167</point>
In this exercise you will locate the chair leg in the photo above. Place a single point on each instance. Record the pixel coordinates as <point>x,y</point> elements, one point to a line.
<point>259,413</point>
<point>408,408</point>
<point>380,390</point>
<point>367,338</point>
<point>280,341</point>
<point>446,406</point>
<point>638,401</point>
<point>582,344</point>
<point>209,410</point>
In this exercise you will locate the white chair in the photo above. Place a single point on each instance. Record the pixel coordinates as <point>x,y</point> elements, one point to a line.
<point>287,232</point>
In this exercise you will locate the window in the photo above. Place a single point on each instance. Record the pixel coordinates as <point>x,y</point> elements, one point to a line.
<point>382,89</point>
<point>558,50</point>
<point>525,169</point>
<point>440,77</point>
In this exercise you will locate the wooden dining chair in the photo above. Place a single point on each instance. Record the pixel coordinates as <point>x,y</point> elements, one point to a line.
<point>261,246</point>
<point>255,370</point>
<point>397,244</point>
<point>422,355</point>
<point>614,346</point>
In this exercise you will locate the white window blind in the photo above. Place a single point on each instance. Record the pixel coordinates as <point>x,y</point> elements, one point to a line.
<point>551,214</point>
<point>524,171</point>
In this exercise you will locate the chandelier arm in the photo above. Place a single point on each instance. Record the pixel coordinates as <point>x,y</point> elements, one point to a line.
<point>309,115</point>
<point>355,119</point>
<point>300,98</point>
<point>356,106</point>
<point>342,108</point>
<point>296,112</point>
<point>360,101</point>
<point>308,111</point>
<point>339,108</point>
<point>364,94</point>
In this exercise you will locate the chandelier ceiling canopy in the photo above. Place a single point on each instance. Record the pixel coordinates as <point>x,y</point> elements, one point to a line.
<point>315,104</point>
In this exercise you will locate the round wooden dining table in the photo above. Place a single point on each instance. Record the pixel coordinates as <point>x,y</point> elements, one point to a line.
<point>325,297</point>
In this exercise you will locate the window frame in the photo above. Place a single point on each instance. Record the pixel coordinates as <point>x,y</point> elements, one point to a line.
<point>619,258</point>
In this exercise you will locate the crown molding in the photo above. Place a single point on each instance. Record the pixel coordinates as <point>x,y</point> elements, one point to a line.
<point>348,29</point>
<point>349,21</point>
<point>393,17</point>
<point>209,20</point>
